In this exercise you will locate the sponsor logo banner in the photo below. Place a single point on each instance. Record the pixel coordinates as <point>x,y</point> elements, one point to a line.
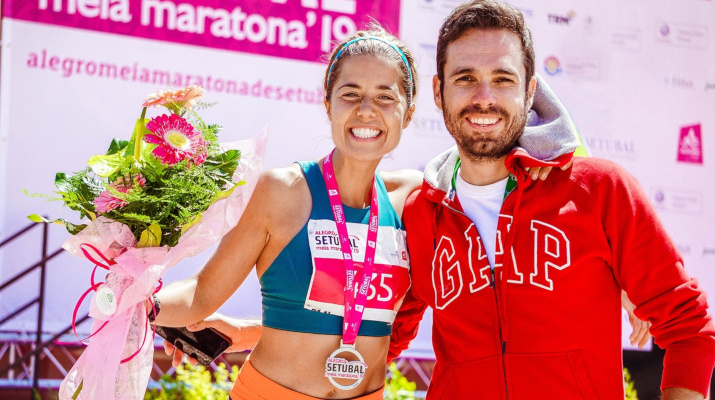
<point>626,38</point>
<point>681,35</point>
<point>679,82</point>
<point>612,147</point>
<point>552,65</point>
<point>561,19</point>
<point>677,201</point>
<point>295,29</point>
<point>684,249</point>
<point>526,12</point>
<point>583,68</point>
<point>690,145</point>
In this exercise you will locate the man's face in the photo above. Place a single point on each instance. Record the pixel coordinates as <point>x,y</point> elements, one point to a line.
<point>483,97</point>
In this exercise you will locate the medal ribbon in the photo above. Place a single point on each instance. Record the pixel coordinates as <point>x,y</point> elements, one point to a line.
<point>354,302</point>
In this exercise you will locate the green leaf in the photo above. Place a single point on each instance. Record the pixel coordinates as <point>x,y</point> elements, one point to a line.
<point>78,192</point>
<point>150,161</point>
<point>150,237</point>
<point>105,166</point>
<point>129,217</point>
<point>37,218</point>
<point>79,389</point>
<point>90,187</point>
<point>191,223</point>
<point>71,228</point>
<point>227,161</point>
<point>62,183</point>
<point>225,193</point>
<point>116,146</point>
<point>139,132</point>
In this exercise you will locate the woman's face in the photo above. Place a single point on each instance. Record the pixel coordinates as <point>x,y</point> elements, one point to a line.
<point>368,107</point>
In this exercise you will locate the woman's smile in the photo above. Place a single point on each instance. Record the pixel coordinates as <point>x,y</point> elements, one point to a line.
<point>361,133</point>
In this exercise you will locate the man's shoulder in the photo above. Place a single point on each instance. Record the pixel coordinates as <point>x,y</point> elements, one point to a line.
<point>594,161</point>
<point>413,198</point>
<point>599,177</point>
<point>415,205</point>
<point>596,169</point>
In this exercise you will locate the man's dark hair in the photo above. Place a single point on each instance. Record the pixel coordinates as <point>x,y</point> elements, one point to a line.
<point>484,15</point>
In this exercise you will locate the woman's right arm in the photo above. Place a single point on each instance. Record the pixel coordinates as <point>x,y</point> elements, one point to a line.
<point>191,300</point>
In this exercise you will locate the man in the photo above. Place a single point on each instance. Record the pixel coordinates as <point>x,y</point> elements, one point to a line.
<point>540,320</point>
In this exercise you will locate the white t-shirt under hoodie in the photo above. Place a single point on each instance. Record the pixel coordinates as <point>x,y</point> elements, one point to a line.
<point>482,205</point>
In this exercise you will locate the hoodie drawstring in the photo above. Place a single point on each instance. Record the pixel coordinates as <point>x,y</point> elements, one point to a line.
<point>435,218</point>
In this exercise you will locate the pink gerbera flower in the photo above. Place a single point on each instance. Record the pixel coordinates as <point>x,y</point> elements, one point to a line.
<point>177,140</point>
<point>185,97</point>
<point>107,201</point>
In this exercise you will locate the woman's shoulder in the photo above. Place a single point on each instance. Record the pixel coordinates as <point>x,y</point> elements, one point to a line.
<point>282,186</point>
<point>402,180</point>
<point>283,176</point>
<point>399,185</point>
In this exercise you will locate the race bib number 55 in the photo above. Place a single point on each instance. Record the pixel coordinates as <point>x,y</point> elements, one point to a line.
<point>390,275</point>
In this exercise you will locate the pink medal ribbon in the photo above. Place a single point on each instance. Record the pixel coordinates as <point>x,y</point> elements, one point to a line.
<point>337,367</point>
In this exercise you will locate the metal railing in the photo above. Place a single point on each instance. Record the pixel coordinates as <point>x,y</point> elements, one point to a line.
<point>40,345</point>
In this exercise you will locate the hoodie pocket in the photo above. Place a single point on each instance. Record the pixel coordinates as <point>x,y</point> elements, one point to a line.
<point>482,379</point>
<point>549,376</point>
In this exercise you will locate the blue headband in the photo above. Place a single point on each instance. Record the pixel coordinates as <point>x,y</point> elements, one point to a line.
<point>397,49</point>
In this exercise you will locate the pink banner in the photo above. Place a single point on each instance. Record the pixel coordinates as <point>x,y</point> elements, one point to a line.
<point>295,29</point>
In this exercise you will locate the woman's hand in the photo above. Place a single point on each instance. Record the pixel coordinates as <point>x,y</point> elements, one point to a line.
<point>242,333</point>
<point>641,334</point>
<point>542,172</point>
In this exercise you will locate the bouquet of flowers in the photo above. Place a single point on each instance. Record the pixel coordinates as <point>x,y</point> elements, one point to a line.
<point>168,193</point>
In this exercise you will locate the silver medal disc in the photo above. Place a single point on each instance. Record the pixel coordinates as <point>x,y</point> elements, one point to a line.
<point>337,367</point>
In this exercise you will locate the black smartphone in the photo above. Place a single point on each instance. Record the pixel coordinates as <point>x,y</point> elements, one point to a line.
<point>204,345</point>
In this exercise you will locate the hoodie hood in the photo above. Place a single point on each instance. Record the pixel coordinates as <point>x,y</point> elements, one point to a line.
<point>549,139</point>
<point>550,132</point>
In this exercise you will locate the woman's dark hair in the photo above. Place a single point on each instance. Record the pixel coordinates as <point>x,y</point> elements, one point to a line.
<point>377,47</point>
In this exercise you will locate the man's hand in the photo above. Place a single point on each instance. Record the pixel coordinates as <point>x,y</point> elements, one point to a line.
<point>641,334</point>
<point>243,334</point>
<point>681,394</point>
<point>178,355</point>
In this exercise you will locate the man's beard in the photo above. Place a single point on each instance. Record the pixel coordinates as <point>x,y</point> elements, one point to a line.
<point>480,147</point>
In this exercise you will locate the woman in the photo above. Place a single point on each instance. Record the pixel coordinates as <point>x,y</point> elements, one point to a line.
<point>303,257</point>
<point>370,92</point>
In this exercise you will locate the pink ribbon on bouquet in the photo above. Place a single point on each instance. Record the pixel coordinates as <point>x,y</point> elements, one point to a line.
<point>93,287</point>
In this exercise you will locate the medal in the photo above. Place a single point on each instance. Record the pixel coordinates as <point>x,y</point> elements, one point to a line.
<point>338,367</point>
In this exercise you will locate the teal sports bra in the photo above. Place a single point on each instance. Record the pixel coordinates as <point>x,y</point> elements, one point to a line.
<point>303,288</point>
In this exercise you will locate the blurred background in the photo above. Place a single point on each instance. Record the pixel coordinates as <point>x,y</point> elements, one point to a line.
<point>638,77</point>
